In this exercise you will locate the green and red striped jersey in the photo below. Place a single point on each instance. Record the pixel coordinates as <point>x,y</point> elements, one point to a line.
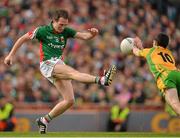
<point>52,43</point>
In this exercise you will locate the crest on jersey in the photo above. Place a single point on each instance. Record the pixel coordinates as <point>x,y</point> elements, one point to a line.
<point>61,39</point>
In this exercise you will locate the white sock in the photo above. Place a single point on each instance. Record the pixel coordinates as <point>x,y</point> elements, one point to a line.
<point>44,120</point>
<point>102,80</point>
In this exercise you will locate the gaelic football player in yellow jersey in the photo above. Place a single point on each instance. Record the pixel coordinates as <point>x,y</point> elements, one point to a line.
<point>162,65</point>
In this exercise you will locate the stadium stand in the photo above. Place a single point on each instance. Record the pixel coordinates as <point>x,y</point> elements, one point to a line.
<point>115,19</point>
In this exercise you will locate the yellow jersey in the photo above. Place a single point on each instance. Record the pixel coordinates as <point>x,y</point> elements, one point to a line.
<point>159,59</point>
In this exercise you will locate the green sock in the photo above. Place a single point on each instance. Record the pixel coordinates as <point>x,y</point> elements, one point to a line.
<point>48,118</point>
<point>97,79</point>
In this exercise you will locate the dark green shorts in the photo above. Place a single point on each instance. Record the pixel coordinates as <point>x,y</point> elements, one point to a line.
<point>173,80</point>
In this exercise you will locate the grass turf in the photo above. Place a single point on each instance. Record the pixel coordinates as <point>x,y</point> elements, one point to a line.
<point>89,134</point>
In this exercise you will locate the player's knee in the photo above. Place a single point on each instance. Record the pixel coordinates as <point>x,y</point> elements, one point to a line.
<point>70,102</point>
<point>73,74</point>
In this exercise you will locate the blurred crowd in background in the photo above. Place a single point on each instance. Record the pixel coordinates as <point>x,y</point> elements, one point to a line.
<point>115,19</point>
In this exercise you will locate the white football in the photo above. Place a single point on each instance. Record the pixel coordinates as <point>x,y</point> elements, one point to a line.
<point>126,45</point>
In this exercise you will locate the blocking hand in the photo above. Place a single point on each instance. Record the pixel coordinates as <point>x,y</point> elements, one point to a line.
<point>138,42</point>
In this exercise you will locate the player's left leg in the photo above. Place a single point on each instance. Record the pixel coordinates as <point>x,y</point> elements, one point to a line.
<point>171,97</point>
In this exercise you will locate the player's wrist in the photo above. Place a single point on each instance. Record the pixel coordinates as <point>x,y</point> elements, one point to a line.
<point>11,54</point>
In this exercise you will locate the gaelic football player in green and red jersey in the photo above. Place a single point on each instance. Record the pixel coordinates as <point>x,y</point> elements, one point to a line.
<point>53,38</point>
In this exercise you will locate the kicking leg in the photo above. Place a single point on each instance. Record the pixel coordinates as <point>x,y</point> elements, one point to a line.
<point>65,88</point>
<point>67,72</point>
<point>171,97</point>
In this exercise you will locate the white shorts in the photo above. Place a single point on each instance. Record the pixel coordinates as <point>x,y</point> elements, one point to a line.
<point>46,68</point>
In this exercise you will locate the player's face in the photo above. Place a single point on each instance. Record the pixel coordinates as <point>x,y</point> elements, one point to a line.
<point>60,24</point>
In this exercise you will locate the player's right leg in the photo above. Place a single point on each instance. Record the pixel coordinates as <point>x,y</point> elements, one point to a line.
<point>171,97</point>
<point>66,72</point>
<point>65,88</point>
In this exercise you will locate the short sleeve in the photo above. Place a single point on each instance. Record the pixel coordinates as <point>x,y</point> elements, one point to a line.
<point>70,32</point>
<point>144,52</point>
<point>36,33</point>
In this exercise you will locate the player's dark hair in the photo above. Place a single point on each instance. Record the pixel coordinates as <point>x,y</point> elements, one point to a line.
<point>162,40</point>
<point>59,13</point>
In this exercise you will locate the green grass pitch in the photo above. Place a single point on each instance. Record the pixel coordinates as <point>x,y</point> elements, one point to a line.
<point>89,134</point>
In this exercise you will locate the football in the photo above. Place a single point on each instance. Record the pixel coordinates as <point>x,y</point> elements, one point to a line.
<point>126,45</point>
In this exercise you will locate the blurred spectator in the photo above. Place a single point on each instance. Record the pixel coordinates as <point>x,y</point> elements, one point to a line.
<point>138,95</point>
<point>119,114</point>
<point>7,119</point>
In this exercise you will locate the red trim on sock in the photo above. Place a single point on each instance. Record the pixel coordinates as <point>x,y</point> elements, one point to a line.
<point>46,119</point>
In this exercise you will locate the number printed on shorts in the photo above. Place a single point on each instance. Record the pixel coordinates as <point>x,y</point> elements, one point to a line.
<point>166,57</point>
<point>45,69</point>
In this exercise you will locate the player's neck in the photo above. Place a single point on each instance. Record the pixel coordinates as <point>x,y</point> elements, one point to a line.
<point>55,30</point>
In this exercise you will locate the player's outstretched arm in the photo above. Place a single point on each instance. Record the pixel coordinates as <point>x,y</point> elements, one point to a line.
<point>91,33</point>
<point>17,45</point>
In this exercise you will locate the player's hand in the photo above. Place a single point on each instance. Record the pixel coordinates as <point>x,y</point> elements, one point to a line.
<point>138,42</point>
<point>135,49</point>
<point>93,31</point>
<point>8,60</point>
